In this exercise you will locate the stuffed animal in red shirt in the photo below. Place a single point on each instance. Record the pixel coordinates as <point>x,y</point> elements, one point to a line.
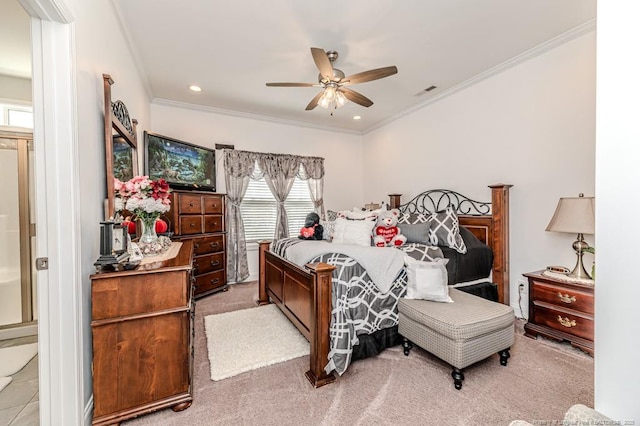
<point>386,233</point>
<point>312,230</point>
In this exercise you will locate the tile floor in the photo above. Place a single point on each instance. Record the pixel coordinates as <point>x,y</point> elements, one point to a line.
<point>19,400</point>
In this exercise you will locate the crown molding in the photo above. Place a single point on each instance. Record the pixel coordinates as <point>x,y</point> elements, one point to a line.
<point>48,10</point>
<point>132,49</point>
<point>250,116</point>
<point>538,50</point>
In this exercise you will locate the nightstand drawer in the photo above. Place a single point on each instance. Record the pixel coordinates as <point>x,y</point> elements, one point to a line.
<point>564,297</point>
<point>566,321</point>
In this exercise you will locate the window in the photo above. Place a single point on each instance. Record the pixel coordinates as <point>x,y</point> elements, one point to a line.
<point>15,115</point>
<point>259,209</point>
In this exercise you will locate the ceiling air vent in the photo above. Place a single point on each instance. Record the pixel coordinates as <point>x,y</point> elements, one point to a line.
<point>428,89</point>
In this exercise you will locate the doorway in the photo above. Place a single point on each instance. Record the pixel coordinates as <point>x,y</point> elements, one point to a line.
<point>18,301</point>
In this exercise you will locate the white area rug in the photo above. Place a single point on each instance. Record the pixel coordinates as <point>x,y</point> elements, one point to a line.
<point>4,381</point>
<point>244,340</point>
<point>14,358</point>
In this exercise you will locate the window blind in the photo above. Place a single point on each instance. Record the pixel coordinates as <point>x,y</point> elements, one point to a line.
<point>259,209</point>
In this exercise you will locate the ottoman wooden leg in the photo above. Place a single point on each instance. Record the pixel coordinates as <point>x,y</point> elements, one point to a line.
<point>504,356</point>
<point>458,377</point>
<point>407,345</point>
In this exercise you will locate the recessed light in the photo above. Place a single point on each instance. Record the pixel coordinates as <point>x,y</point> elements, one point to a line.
<point>356,117</point>
<point>195,88</point>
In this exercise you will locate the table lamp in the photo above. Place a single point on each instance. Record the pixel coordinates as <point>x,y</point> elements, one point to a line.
<point>575,215</point>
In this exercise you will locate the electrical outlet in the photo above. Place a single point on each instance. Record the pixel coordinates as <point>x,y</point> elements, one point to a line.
<point>522,286</point>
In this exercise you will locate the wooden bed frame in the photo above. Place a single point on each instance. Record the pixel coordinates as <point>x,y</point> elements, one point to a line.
<point>304,294</point>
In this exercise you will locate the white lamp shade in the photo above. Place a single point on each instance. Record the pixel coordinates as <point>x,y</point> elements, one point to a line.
<point>575,215</point>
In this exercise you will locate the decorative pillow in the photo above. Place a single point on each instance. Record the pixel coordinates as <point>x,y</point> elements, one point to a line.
<point>329,229</point>
<point>357,232</point>
<point>331,215</point>
<point>414,218</point>
<point>427,280</point>
<point>358,214</point>
<point>416,233</point>
<point>445,230</point>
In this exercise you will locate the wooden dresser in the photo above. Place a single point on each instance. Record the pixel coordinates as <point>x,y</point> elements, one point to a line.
<point>199,216</point>
<point>560,310</point>
<point>142,328</point>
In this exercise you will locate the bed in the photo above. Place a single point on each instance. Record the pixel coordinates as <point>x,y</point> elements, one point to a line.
<point>306,294</point>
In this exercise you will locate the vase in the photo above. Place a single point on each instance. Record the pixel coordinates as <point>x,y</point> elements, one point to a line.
<point>148,222</point>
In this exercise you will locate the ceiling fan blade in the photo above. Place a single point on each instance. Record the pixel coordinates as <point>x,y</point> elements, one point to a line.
<point>370,75</point>
<point>291,84</point>
<point>314,101</point>
<point>322,62</point>
<point>356,97</point>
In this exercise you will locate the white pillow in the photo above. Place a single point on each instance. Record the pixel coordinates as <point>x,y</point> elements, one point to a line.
<point>356,232</point>
<point>358,214</point>
<point>427,280</point>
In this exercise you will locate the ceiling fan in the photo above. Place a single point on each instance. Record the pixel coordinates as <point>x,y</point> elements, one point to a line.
<point>334,94</point>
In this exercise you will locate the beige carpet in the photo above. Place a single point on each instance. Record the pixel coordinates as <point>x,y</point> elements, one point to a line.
<point>244,340</point>
<point>543,379</point>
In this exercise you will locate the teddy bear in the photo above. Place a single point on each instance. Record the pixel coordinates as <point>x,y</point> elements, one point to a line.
<point>312,229</point>
<point>386,231</point>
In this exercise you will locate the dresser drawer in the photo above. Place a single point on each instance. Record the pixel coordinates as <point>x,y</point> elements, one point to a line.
<point>565,297</point>
<point>189,204</point>
<point>566,321</point>
<point>213,204</point>
<point>190,225</point>
<point>208,263</point>
<point>206,245</point>
<point>213,223</point>
<point>210,281</point>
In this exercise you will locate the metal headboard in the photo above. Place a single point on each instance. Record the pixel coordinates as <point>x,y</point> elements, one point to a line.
<point>436,200</point>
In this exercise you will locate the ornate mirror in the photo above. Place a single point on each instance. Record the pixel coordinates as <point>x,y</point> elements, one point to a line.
<point>121,145</point>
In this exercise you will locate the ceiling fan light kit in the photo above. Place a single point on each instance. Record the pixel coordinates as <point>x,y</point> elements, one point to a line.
<point>334,94</point>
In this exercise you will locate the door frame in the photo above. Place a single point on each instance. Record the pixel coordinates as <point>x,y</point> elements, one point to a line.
<point>60,342</point>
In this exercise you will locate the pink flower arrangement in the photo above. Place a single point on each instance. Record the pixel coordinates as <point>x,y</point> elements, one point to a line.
<point>141,196</point>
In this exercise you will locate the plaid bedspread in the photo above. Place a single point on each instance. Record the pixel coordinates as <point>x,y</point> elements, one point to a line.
<point>358,307</point>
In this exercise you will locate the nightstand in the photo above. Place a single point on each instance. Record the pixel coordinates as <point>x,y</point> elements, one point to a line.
<point>560,309</point>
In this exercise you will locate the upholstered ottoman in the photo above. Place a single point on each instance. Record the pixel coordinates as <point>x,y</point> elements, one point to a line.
<point>461,333</point>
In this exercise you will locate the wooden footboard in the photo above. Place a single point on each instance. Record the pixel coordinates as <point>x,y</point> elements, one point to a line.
<point>304,296</point>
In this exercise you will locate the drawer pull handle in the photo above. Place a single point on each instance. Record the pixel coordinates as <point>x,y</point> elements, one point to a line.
<point>193,225</point>
<point>566,298</point>
<point>566,322</point>
<point>196,246</point>
<point>215,281</point>
<point>190,204</point>
<point>215,263</point>
<point>214,245</point>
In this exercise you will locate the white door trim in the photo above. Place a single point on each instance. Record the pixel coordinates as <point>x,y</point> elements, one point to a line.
<point>60,342</point>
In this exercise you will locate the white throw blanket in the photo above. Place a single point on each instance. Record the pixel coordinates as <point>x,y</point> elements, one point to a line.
<point>383,264</point>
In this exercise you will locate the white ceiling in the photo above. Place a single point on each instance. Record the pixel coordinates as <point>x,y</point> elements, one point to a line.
<point>232,48</point>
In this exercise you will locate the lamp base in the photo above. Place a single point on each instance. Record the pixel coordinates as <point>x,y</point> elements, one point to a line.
<point>579,271</point>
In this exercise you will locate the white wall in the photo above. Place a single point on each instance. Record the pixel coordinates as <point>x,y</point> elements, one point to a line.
<point>15,88</point>
<point>100,48</point>
<point>617,333</point>
<point>342,152</point>
<point>531,126</point>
